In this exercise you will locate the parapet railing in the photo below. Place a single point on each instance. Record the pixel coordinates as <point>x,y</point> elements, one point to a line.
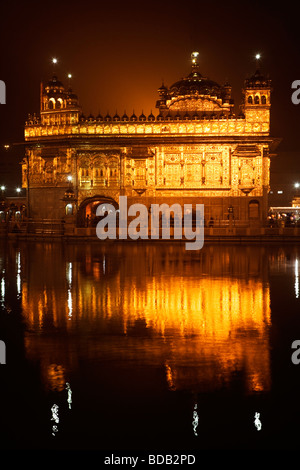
<point>58,227</point>
<point>37,226</point>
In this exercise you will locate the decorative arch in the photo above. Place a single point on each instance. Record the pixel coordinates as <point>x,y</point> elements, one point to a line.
<point>51,103</point>
<point>59,103</point>
<point>86,215</point>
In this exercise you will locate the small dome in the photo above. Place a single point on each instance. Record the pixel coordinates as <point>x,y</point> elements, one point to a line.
<point>195,84</point>
<point>133,117</point>
<point>55,89</point>
<point>162,90</point>
<point>151,117</point>
<point>69,194</point>
<point>71,95</point>
<point>257,81</point>
<point>54,83</point>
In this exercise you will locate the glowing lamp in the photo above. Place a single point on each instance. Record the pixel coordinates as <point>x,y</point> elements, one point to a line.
<point>195,58</point>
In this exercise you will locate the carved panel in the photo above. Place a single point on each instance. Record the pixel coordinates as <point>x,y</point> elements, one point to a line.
<point>139,173</point>
<point>172,174</point>
<point>247,175</point>
<point>48,172</point>
<point>199,104</point>
<point>193,174</point>
<point>172,158</point>
<point>213,169</point>
<point>193,158</point>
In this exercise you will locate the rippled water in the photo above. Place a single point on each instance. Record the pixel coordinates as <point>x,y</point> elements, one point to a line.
<point>149,346</point>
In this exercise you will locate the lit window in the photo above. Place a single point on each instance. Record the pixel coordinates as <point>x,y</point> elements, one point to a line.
<point>69,209</point>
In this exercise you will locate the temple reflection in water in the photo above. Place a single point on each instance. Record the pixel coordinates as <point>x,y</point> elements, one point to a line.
<point>205,317</point>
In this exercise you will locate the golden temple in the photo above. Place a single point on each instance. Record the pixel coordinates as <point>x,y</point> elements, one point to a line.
<point>195,150</point>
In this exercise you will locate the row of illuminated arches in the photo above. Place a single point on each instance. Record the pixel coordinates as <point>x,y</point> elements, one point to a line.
<point>98,172</point>
<point>55,104</point>
<point>257,99</point>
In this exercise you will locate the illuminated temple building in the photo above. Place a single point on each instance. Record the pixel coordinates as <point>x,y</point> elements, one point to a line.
<point>195,149</point>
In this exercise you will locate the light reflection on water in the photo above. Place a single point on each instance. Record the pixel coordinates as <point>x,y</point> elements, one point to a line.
<point>203,317</point>
<point>200,320</point>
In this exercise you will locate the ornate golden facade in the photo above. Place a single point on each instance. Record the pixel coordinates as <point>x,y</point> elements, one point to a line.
<point>195,150</point>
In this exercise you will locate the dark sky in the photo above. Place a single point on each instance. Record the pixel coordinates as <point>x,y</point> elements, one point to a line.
<point>119,53</point>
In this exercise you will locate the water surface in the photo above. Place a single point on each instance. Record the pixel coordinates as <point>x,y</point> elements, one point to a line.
<point>149,346</point>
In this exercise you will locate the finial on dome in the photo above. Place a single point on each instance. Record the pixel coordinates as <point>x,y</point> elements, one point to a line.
<point>54,63</point>
<point>69,80</point>
<point>195,60</point>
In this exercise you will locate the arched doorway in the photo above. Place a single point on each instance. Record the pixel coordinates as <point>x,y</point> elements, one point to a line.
<point>253,209</point>
<point>86,216</point>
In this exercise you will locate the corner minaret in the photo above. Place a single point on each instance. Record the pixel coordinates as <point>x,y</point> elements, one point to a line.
<point>58,106</point>
<point>257,99</point>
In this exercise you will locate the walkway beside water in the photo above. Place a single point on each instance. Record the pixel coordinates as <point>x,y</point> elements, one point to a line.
<point>57,230</point>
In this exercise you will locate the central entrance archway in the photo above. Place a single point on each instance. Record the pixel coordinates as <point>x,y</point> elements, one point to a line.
<point>86,216</point>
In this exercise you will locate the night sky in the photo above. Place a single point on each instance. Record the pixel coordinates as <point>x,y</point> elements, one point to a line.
<point>119,53</point>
